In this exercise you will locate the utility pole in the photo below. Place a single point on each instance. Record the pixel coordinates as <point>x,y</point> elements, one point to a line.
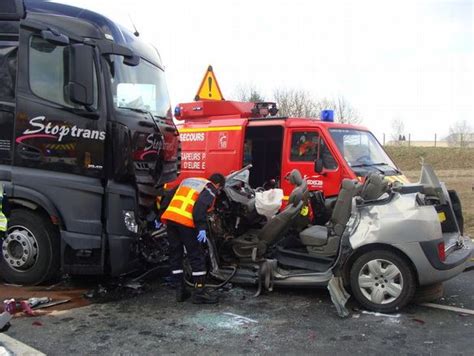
<point>409,140</point>
<point>435,140</point>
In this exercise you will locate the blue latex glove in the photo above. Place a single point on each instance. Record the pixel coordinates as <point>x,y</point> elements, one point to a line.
<point>202,236</point>
<point>158,224</point>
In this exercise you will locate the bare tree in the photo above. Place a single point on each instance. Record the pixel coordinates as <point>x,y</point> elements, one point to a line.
<point>461,134</point>
<point>300,103</point>
<point>398,131</point>
<point>295,103</point>
<point>345,112</point>
<point>248,92</point>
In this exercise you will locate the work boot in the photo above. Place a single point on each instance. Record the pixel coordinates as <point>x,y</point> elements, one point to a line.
<point>201,294</point>
<point>181,292</point>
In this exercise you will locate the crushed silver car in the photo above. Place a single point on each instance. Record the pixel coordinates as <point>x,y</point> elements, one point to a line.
<point>382,242</point>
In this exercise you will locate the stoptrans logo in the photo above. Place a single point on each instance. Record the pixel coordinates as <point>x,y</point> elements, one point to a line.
<point>42,130</point>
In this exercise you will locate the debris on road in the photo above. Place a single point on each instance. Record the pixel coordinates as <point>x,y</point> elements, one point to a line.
<point>419,321</point>
<point>241,320</point>
<point>40,297</point>
<point>52,304</point>
<point>35,302</point>
<point>5,318</point>
<point>381,314</point>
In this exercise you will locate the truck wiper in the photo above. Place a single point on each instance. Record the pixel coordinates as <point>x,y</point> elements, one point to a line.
<point>376,164</point>
<point>370,164</point>
<point>141,111</point>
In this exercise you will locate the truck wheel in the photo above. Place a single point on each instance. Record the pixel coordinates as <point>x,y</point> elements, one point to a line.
<point>30,250</point>
<point>382,281</point>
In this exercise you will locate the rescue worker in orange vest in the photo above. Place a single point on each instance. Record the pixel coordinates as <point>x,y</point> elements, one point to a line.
<point>185,217</point>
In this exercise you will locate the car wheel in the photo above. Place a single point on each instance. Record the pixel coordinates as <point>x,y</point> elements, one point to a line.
<point>30,249</point>
<point>382,281</point>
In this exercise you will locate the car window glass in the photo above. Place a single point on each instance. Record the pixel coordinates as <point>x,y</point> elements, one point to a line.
<point>328,159</point>
<point>304,148</point>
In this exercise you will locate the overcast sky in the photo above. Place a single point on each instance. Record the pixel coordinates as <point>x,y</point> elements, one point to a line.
<point>412,60</point>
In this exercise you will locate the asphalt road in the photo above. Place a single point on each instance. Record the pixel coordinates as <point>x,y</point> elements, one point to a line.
<point>282,322</point>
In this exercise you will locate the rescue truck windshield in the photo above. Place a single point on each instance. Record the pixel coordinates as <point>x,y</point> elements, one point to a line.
<point>360,148</point>
<point>141,88</point>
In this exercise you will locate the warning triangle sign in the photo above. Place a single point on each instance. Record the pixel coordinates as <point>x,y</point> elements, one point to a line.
<point>209,88</point>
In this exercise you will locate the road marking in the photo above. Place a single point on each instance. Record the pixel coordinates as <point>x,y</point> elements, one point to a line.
<point>448,307</point>
<point>15,347</point>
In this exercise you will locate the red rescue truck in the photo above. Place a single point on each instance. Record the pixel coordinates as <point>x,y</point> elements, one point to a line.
<point>223,136</point>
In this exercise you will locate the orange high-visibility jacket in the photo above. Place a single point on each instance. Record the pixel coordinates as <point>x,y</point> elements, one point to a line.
<point>180,209</point>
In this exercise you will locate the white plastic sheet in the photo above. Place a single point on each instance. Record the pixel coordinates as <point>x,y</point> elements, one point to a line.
<point>268,202</point>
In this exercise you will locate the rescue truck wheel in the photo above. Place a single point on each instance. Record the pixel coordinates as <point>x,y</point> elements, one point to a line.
<point>30,250</point>
<point>382,281</point>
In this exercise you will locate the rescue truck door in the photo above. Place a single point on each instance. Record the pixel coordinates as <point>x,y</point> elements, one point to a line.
<point>302,148</point>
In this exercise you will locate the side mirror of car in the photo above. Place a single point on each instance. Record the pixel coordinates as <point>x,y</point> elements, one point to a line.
<point>318,165</point>
<point>81,74</point>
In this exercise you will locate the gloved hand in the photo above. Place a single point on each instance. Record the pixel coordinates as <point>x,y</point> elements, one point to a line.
<point>202,236</point>
<point>158,224</point>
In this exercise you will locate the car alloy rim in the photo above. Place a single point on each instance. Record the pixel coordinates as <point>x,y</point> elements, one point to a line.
<point>20,248</point>
<point>380,281</point>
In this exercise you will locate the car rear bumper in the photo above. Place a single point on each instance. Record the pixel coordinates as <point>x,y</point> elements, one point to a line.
<point>454,258</point>
<point>429,271</point>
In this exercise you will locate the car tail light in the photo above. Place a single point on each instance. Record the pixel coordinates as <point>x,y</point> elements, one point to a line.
<point>441,252</point>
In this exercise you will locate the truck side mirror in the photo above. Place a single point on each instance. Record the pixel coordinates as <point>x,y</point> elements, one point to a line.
<point>81,74</point>
<point>318,165</point>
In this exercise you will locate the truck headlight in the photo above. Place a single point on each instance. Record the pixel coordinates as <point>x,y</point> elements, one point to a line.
<point>130,221</point>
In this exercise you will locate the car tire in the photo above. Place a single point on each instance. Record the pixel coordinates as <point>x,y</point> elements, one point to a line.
<point>30,250</point>
<point>382,281</point>
<point>425,294</point>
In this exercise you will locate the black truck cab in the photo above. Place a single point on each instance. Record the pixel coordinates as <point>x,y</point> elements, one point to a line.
<point>86,140</point>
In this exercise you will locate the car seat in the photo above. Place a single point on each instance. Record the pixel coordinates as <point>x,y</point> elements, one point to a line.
<point>324,240</point>
<point>256,242</point>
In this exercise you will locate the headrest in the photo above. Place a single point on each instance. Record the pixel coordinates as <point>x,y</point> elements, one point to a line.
<point>295,177</point>
<point>348,184</point>
<point>374,187</point>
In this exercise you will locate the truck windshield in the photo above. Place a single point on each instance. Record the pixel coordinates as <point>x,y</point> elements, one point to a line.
<point>141,88</point>
<point>360,148</point>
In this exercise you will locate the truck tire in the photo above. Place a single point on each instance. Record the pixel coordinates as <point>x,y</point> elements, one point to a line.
<point>30,250</point>
<point>382,281</point>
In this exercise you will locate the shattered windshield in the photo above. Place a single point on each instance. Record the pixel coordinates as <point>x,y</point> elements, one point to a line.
<point>141,88</point>
<point>360,148</point>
